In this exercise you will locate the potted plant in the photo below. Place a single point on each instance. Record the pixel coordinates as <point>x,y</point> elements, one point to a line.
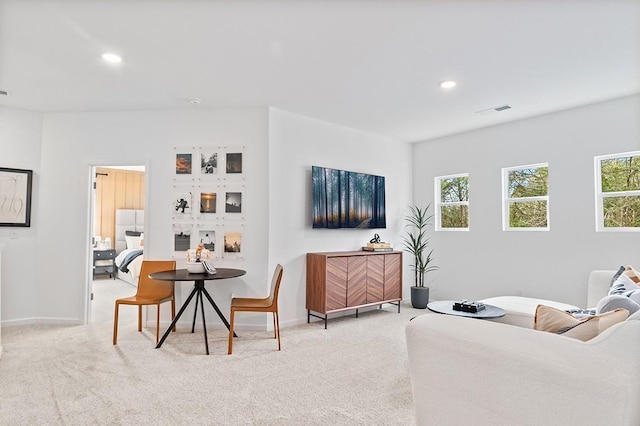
<point>416,242</point>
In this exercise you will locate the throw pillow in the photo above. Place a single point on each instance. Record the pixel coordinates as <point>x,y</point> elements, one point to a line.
<point>633,274</point>
<point>623,285</point>
<point>559,322</point>
<point>619,272</point>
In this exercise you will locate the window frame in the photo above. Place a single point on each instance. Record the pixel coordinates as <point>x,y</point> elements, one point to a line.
<point>439,204</point>
<point>600,196</point>
<point>507,201</point>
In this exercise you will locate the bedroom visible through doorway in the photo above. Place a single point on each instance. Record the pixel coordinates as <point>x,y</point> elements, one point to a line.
<point>117,206</point>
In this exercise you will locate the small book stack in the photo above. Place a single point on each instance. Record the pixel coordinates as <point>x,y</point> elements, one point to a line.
<point>377,247</point>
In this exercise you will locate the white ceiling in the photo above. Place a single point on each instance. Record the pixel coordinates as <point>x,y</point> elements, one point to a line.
<point>370,65</point>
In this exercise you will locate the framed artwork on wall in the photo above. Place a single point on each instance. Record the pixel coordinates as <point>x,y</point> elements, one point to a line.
<point>208,162</point>
<point>233,242</point>
<point>15,197</point>
<point>182,204</point>
<point>233,202</point>
<point>234,163</point>
<point>184,164</point>
<point>207,237</point>
<point>208,202</point>
<point>181,237</point>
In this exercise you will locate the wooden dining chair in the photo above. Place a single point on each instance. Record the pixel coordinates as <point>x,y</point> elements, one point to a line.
<point>269,304</point>
<point>150,292</point>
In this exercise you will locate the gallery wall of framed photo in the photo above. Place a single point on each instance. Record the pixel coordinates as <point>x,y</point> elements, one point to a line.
<point>207,208</point>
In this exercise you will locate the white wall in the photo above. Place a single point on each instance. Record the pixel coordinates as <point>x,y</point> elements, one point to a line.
<point>295,144</point>
<point>487,261</point>
<point>20,145</point>
<point>74,141</point>
<point>280,148</point>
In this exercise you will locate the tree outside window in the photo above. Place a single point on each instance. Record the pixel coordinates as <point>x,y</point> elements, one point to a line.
<point>618,192</point>
<point>452,209</point>
<point>526,197</point>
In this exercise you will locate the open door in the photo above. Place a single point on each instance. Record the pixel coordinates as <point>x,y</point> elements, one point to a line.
<point>113,188</point>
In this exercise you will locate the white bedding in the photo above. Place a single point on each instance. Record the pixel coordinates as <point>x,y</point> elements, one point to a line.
<point>134,267</point>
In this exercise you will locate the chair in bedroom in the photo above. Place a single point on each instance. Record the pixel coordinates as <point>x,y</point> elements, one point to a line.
<point>269,304</point>
<point>150,292</point>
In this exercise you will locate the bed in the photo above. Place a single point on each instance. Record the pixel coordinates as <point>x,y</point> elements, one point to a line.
<point>128,244</point>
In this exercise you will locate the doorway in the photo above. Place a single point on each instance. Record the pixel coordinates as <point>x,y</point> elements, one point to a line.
<point>114,189</point>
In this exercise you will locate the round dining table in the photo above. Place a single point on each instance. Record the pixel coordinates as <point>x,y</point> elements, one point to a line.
<point>199,290</point>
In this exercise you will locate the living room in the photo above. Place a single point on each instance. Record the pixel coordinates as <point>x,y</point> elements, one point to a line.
<point>279,147</point>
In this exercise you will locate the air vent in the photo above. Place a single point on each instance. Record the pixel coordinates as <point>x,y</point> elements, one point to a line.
<point>494,109</point>
<point>4,93</point>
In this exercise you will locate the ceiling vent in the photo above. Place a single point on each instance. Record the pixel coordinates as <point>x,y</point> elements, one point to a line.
<point>494,109</point>
<point>4,93</point>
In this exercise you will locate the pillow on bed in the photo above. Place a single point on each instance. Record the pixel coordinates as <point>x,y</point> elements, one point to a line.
<point>132,233</point>
<point>133,242</point>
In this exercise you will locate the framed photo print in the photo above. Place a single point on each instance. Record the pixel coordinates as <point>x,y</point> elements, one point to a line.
<point>182,204</point>
<point>232,242</point>
<point>234,163</point>
<point>181,237</point>
<point>183,164</point>
<point>208,202</point>
<point>207,237</point>
<point>233,202</point>
<point>15,197</point>
<point>208,162</point>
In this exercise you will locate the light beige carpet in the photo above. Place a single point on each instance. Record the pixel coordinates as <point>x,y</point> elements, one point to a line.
<point>353,373</point>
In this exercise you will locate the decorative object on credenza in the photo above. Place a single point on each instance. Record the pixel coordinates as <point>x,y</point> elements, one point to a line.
<point>466,306</point>
<point>416,242</point>
<point>376,245</point>
<point>15,197</point>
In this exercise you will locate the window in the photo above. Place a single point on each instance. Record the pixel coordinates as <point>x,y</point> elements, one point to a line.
<point>452,207</point>
<point>618,192</point>
<point>526,198</point>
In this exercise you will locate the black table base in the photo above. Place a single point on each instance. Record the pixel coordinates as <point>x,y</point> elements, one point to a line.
<point>198,291</point>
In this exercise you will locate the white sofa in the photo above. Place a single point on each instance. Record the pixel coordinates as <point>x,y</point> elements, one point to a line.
<point>470,371</point>
<point>521,310</point>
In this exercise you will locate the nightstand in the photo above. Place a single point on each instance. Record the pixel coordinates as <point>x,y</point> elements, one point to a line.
<point>104,262</point>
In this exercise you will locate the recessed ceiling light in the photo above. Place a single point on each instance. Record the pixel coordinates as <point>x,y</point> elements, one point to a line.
<point>112,58</point>
<point>448,84</point>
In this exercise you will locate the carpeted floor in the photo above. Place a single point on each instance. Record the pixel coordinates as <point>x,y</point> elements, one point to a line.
<point>353,373</point>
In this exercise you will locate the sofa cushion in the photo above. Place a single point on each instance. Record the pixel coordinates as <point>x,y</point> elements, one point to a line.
<point>634,317</point>
<point>616,301</point>
<point>560,322</point>
<point>521,310</point>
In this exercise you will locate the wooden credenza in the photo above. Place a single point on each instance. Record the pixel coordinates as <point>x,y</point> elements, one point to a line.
<point>341,281</point>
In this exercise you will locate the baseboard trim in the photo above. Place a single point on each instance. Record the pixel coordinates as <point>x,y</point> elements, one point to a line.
<point>42,320</point>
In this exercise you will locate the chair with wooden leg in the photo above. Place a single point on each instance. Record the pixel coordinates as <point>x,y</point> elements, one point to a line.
<point>150,292</point>
<point>268,304</point>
